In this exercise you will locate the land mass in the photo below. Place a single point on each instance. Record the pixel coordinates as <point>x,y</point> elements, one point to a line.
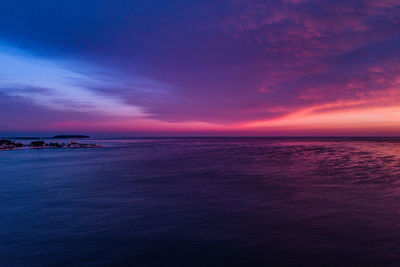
<point>70,136</point>
<point>9,145</point>
<point>63,136</point>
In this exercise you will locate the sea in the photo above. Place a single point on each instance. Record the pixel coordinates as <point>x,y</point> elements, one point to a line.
<point>203,202</point>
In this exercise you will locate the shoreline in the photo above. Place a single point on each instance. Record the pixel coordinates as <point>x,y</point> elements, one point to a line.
<point>6,144</point>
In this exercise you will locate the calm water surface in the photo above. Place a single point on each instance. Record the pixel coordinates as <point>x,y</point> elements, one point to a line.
<point>203,202</point>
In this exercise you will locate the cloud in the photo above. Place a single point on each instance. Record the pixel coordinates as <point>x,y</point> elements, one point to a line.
<point>60,84</point>
<point>320,50</point>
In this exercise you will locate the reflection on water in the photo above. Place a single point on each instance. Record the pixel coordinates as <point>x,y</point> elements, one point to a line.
<point>202,201</point>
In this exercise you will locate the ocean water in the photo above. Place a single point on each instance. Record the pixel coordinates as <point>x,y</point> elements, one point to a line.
<point>203,202</point>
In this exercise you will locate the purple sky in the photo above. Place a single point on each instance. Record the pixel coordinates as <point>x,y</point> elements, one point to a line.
<point>289,67</point>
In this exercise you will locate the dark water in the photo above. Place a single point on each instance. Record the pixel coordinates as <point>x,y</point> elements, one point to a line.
<point>203,202</point>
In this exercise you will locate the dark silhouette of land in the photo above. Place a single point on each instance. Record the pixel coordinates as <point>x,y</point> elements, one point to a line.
<point>63,136</point>
<point>70,136</point>
<point>6,144</point>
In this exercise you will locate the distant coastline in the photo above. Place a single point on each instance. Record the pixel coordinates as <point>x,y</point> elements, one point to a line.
<point>54,137</point>
<point>8,144</point>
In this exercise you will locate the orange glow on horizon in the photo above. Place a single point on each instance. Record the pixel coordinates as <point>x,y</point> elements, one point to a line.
<point>356,118</point>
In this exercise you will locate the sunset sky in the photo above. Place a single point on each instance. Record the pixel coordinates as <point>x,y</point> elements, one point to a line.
<point>288,67</point>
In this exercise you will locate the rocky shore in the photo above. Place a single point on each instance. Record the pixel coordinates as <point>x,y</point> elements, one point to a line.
<point>6,144</point>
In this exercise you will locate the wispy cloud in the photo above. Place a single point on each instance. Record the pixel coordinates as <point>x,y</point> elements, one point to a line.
<point>60,84</point>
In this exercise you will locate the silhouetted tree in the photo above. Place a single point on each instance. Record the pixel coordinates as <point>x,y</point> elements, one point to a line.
<point>37,144</point>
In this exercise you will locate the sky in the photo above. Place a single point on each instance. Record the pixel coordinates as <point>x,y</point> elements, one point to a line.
<point>239,67</point>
